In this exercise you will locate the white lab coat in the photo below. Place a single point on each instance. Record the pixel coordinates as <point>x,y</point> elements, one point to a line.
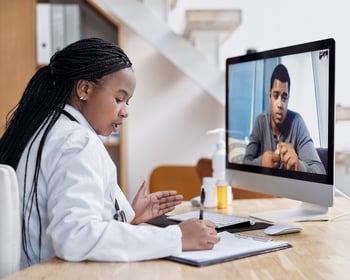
<point>77,188</point>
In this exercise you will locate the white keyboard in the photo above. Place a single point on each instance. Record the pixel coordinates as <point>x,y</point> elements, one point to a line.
<point>220,220</point>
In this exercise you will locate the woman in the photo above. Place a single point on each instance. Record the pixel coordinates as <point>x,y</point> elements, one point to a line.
<point>72,207</point>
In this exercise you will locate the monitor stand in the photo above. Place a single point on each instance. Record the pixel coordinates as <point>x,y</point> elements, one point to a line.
<point>305,212</point>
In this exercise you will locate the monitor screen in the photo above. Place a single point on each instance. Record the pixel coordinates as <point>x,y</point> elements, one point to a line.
<point>280,125</point>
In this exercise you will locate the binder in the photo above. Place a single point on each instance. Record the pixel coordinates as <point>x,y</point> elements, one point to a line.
<point>57,25</point>
<point>231,247</point>
<point>57,16</point>
<point>72,21</point>
<point>43,33</point>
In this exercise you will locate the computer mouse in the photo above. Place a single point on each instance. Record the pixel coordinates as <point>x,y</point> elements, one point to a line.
<point>278,229</point>
<point>195,201</point>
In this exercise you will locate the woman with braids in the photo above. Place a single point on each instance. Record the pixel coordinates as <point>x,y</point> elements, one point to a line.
<point>71,205</point>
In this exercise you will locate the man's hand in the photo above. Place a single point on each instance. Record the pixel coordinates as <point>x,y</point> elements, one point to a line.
<point>149,206</point>
<point>270,159</point>
<point>289,157</point>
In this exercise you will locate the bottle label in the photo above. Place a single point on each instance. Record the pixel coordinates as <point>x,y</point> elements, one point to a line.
<point>222,196</point>
<point>209,187</point>
<point>210,196</point>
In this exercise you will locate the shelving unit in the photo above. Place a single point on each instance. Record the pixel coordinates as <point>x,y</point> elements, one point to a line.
<point>17,49</point>
<point>18,56</point>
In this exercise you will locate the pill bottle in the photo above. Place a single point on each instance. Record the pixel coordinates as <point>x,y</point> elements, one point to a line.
<point>209,187</point>
<point>229,195</point>
<point>221,190</point>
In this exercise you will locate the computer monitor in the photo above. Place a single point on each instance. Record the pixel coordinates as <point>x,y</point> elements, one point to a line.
<point>282,101</point>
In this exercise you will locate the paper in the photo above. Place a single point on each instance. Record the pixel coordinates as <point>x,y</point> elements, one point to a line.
<point>231,246</point>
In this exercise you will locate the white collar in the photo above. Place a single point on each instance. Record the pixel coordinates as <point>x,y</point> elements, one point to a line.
<point>78,116</point>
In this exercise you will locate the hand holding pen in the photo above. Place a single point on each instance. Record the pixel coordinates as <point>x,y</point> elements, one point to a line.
<point>199,234</point>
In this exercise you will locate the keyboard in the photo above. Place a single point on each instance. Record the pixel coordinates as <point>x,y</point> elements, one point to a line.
<point>220,220</point>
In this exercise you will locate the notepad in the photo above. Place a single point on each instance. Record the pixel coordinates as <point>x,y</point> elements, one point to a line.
<point>230,247</point>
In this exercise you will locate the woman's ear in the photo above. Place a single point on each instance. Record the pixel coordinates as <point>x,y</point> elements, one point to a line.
<point>82,88</point>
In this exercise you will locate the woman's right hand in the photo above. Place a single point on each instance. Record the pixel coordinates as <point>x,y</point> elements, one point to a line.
<point>198,235</point>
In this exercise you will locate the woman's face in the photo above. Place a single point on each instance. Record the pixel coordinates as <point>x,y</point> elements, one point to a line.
<point>105,102</point>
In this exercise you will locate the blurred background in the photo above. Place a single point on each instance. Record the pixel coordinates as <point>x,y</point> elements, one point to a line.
<point>179,48</point>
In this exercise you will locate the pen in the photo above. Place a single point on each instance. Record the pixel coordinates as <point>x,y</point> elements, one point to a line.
<point>202,198</point>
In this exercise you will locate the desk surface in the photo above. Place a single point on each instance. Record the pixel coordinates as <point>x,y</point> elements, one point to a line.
<point>320,251</point>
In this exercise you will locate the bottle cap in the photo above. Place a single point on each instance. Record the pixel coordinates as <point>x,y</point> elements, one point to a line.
<point>208,181</point>
<point>221,183</point>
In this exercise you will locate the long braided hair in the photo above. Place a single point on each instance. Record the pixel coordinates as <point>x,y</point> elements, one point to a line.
<point>42,103</point>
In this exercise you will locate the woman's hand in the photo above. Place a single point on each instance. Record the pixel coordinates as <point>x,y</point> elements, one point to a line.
<point>149,206</point>
<point>198,235</point>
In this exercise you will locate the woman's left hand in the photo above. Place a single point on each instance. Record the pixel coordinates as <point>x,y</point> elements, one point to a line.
<point>149,206</point>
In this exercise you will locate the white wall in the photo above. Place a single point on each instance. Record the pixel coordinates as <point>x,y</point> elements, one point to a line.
<point>268,24</point>
<point>169,114</point>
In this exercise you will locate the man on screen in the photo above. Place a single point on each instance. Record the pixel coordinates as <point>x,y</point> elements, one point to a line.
<point>280,138</point>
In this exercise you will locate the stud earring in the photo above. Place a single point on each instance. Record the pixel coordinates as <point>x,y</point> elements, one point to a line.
<point>81,98</point>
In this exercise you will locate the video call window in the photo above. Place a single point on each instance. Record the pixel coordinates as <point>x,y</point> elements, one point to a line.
<point>248,96</point>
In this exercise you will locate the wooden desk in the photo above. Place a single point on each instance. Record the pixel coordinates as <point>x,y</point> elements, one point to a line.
<point>320,251</point>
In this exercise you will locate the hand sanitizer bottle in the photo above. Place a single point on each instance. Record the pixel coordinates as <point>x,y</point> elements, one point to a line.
<point>219,162</point>
<point>219,156</point>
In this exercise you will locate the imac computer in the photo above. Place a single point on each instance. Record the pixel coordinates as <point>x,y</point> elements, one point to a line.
<point>280,126</point>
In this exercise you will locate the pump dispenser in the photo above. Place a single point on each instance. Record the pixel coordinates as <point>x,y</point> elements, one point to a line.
<point>219,163</point>
<point>218,160</point>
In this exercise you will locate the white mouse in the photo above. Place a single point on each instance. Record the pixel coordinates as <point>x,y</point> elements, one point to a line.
<point>278,229</point>
<point>195,201</point>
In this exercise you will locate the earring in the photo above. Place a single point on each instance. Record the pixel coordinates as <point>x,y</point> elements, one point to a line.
<point>81,98</point>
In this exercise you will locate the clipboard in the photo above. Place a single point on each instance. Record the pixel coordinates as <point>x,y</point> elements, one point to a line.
<point>231,247</point>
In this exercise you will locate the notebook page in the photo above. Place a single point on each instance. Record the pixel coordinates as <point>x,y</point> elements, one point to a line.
<point>232,245</point>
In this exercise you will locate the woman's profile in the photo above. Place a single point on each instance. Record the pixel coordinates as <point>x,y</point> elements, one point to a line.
<point>71,204</point>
